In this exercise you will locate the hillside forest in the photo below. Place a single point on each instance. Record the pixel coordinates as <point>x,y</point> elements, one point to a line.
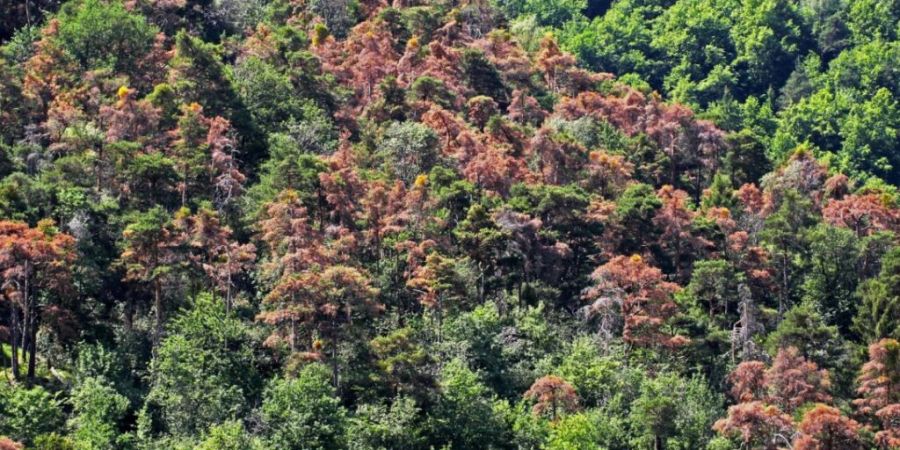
<point>449,224</point>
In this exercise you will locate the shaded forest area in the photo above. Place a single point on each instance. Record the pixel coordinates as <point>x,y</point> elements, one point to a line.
<point>449,224</point>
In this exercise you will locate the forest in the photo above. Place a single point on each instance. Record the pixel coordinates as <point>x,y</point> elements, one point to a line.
<point>449,224</point>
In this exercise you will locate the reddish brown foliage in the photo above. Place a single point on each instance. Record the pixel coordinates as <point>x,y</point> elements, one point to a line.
<point>748,381</point>
<point>34,264</point>
<point>674,221</point>
<point>228,180</point>
<point>525,109</point>
<point>879,382</point>
<point>552,395</point>
<point>793,381</point>
<point>607,173</point>
<point>642,294</point>
<point>558,160</point>
<point>9,444</point>
<point>129,119</point>
<point>864,214</point>
<point>757,425</point>
<point>213,250</point>
<point>824,428</point>
<point>889,436</point>
<point>342,187</point>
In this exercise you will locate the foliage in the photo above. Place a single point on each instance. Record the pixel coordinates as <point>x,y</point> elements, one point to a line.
<point>454,224</point>
<point>303,412</point>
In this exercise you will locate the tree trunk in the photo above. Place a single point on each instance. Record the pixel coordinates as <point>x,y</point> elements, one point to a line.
<point>128,315</point>
<point>14,341</point>
<point>32,348</point>
<point>335,369</point>
<point>157,304</point>
<point>293,335</point>
<point>228,289</point>
<point>25,329</point>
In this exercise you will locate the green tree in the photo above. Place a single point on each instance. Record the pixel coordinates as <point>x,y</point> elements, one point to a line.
<point>482,76</point>
<point>784,235</point>
<point>576,432</point>
<point>378,427</point>
<point>833,274</point>
<point>465,415</point>
<point>230,435</point>
<point>105,34</point>
<point>878,316</point>
<point>303,412</point>
<point>870,134</point>
<point>98,414</point>
<point>26,413</point>
<point>410,149</point>
<point>204,372</point>
<point>674,413</point>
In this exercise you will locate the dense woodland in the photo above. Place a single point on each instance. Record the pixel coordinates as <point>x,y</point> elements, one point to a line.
<point>449,224</point>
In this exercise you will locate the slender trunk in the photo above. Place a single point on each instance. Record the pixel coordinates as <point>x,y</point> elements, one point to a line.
<point>782,300</point>
<point>14,340</point>
<point>335,370</point>
<point>128,315</point>
<point>25,327</point>
<point>158,306</point>
<point>228,291</point>
<point>293,335</point>
<point>32,349</point>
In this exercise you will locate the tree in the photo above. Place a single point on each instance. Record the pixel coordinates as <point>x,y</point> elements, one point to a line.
<point>879,380</point>
<point>203,372</point>
<point>869,135</point>
<point>784,234</point>
<point>673,412</point>
<point>889,436</point>
<point>212,250</point>
<point>310,284</point>
<point>757,425</point>
<point>833,276</point>
<point>578,431</point>
<point>303,412</point>
<point>228,179</point>
<point>634,212</point>
<point>9,444</point>
<point>466,408</point>
<point>410,149</point>
<point>100,34</point>
<point>793,381</point>
<point>804,328</point>
<point>27,413</point>
<point>482,76</point>
<point>644,298</point>
<point>149,255</point>
<point>99,411</point>
<point>189,148</point>
<point>403,364</point>
<point>294,246</point>
<point>338,15</point>
<point>230,435</point>
<point>376,427</point>
<point>878,316</point>
<point>34,264</point>
<point>673,220</point>
<point>823,427</point>
<point>439,284</point>
<point>552,395</point>
<point>864,215</point>
<point>748,381</point>
<point>789,383</point>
